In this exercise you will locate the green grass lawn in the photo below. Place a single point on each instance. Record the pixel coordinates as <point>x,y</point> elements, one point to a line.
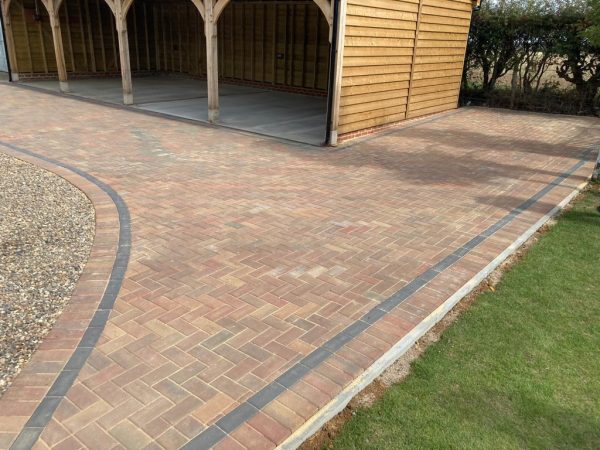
<point>520,368</point>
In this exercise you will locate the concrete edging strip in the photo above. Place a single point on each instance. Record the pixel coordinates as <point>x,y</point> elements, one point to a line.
<point>246,410</point>
<point>337,405</point>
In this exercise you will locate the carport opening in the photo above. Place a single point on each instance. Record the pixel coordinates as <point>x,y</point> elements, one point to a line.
<point>273,68</point>
<point>273,58</point>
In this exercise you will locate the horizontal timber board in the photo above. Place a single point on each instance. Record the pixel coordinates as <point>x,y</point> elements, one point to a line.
<point>429,35</point>
<point>450,4</point>
<point>376,70</point>
<point>377,51</point>
<point>437,74</point>
<point>375,79</point>
<point>415,106</point>
<point>361,61</point>
<point>373,22</point>
<point>367,115</point>
<point>431,59</point>
<point>378,121</point>
<point>426,43</point>
<point>434,88</point>
<point>432,110</point>
<point>375,87</point>
<point>445,20</point>
<point>438,28</point>
<point>373,106</point>
<point>419,98</point>
<point>445,12</point>
<point>353,41</point>
<point>420,67</point>
<point>408,14</point>
<point>372,97</point>
<point>437,81</point>
<point>388,5</point>
<point>380,32</point>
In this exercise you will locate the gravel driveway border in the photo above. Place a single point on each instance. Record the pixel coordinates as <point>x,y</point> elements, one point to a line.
<point>38,389</point>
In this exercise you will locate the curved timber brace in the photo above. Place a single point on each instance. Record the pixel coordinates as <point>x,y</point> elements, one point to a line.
<point>211,10</point>
<point>53,8</point>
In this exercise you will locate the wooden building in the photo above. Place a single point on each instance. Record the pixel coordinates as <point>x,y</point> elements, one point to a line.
<point>378,62</point>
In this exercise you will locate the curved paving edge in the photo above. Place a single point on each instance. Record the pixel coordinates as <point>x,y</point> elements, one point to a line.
<point>29,403</point>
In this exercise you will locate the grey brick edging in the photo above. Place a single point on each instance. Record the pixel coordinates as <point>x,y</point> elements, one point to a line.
<point>45,410</point>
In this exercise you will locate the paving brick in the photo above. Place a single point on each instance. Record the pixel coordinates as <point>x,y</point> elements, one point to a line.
<point>249,253</point>
<point>129,435</point>
<point>268,427</point>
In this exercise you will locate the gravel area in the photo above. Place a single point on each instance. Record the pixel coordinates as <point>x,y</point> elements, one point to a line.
<point>46,233</point>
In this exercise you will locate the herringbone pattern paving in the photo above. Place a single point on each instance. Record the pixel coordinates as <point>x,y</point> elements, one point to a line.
<point>249,253</point>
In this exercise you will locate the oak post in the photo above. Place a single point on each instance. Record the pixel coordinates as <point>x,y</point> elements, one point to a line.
<point>339,64</point>
<point>212,61</point>
<point>59,50</point>
<point>121,22</point>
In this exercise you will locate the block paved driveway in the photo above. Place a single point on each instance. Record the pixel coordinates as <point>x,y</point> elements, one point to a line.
<point>248,254</point>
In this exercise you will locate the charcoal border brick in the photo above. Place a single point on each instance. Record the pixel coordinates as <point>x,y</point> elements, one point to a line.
<point>45,410</point>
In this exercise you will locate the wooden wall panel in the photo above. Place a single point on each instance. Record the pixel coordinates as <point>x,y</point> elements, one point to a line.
<point>89,37</point>
<point>439,56</point>
<point>282,43</point>
<point>402,58</point>
<point>378,53</point>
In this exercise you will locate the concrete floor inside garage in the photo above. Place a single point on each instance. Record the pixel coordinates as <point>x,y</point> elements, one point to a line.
<point>295,117</point>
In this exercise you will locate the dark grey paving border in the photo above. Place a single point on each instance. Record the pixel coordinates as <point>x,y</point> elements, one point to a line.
<point>45,410</point>
<point>215,433</point>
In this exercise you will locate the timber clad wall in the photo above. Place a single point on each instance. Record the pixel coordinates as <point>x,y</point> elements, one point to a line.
<point>264,42</point>
<point>439,57</point>
<point>381,59</point>
<point>283,43</point>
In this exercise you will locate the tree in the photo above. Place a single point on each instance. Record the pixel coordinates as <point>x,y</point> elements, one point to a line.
<point>492,45</point>
<point>536,49</point>
<point>513,35</point>
<point>593,18</point>
<point>580,57</point>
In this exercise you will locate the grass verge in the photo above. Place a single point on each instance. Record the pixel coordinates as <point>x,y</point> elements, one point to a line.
<point>519,369</point>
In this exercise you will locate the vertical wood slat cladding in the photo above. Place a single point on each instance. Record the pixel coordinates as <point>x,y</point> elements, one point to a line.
<point>382,42</point>
<point>279,43</point>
